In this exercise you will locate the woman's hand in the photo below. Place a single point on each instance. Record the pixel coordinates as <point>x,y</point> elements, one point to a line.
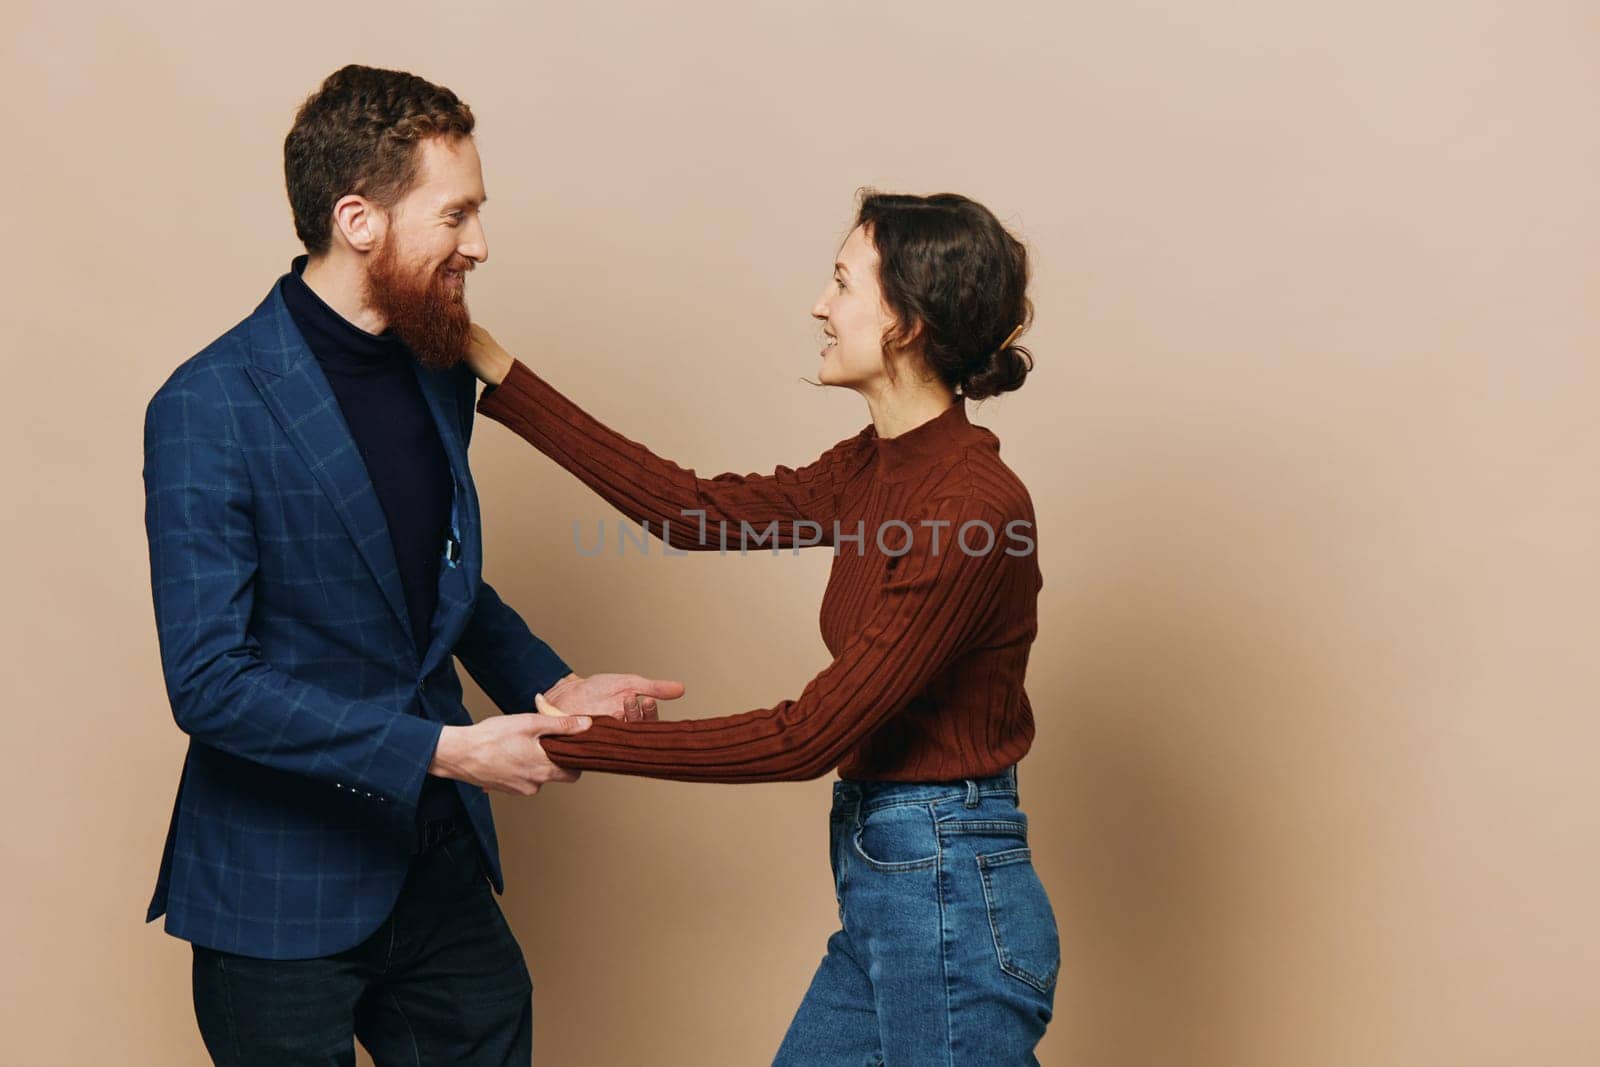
<point>629,697</point>
<point>488,360</point>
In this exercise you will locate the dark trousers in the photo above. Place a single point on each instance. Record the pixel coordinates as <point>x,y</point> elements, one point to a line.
<point>442,981</point>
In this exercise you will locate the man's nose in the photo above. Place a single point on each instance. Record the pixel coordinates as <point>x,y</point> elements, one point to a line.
<point>475,243</point>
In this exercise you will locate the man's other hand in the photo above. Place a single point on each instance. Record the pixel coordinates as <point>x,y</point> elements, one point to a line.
<point>503,753</point>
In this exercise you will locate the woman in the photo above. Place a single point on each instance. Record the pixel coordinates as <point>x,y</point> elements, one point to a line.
<point>948,950</point>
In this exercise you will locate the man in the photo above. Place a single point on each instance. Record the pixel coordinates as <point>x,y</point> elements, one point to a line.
<point>315,562</point>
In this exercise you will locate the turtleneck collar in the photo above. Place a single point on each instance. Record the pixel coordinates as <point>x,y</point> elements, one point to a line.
<point>922,446</point>
<point>334,339</point>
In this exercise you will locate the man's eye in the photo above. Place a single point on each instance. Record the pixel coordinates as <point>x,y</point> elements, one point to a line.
<point>838,281</point>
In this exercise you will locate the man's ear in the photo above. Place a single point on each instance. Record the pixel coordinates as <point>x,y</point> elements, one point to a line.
<point>360,222</point>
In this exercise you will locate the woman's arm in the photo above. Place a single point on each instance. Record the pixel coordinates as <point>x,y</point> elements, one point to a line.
<point>671,499</point>
<point>934,605</point>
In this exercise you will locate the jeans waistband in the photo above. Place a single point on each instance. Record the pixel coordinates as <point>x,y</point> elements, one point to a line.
<point>867,795</point>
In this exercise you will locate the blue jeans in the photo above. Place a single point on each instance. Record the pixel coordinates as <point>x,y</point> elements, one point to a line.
<point>947,952</point>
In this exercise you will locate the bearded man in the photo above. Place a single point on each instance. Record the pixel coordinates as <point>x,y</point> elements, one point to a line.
<point>316,566</point>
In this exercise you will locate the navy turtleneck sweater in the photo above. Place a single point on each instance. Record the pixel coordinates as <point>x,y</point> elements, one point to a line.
<point>382,402</point>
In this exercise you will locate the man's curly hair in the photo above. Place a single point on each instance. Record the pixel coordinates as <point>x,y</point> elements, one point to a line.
<point>359,133</point>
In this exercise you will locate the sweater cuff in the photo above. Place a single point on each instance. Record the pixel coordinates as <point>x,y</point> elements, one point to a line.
<point>499,402</point>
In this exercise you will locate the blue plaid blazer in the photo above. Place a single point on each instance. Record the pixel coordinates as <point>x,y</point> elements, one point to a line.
<point>287,654</point>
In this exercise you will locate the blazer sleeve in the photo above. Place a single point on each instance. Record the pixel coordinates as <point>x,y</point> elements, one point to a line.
<point>504,657</point>
<point>507,660</point>
<point>203,565</point>
<point>784,509</point>
<point>933,606</point>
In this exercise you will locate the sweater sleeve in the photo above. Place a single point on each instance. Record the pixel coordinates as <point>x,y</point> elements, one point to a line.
<point>673,501</point>
<point>932,606</point>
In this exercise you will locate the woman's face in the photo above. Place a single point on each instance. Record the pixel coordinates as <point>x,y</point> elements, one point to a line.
<point>853,317</point>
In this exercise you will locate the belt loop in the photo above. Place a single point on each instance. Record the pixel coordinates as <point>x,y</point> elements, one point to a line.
<point>972,793</point>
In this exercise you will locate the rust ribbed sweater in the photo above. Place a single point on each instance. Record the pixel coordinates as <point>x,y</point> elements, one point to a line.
<point>929,643</point>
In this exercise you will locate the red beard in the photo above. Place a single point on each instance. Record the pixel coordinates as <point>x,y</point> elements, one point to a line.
<point>426,312</point>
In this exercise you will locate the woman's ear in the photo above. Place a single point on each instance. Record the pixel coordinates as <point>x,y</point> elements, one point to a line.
<point>900,337</point>
<point>903,352</point>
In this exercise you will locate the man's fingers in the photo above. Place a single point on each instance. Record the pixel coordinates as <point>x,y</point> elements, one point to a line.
<point>563,724</point>
<point>549,714</point>
<point>553,771</point>
<point>647,710</point>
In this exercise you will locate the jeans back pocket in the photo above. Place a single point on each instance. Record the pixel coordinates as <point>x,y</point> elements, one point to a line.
<point>1020,918</point>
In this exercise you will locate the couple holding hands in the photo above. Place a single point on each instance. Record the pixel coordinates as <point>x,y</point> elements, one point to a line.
<point>316,568</point>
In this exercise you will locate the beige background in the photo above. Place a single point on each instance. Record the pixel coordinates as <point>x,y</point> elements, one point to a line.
<point>1312,441</point>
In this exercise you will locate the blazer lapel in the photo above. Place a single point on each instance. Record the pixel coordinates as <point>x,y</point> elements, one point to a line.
<point>301,400</point>
<point>455,582</point>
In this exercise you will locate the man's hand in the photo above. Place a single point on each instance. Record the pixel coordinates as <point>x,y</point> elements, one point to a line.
<point>488,360</point>
<point>503,753</point>
<point>628,697</point>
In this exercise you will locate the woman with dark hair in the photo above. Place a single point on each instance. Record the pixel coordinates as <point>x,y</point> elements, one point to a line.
<point>948,950</point>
